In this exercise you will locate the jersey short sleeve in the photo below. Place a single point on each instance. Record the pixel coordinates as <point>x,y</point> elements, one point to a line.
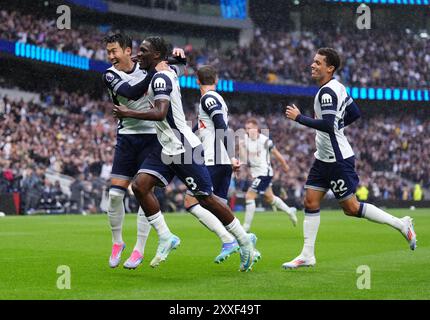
<point>112,80</point>
<point>328,101</point>
<point>269,145</point>
<point>211,105</point>
<point>162,86</point>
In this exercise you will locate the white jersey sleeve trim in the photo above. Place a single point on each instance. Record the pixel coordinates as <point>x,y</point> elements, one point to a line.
<point>118,85</point>
<point>216,112</point>
<point>162,96</point>
<point>328,112</point>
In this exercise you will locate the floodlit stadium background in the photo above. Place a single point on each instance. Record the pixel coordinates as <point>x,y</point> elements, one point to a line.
<point>57,132</point>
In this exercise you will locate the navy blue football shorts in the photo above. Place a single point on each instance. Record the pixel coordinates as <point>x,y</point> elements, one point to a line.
<point>130,151</point>
<point>338,176</point>
<point>221,178</point>
<point>192,173</point>
<point>261,183</point>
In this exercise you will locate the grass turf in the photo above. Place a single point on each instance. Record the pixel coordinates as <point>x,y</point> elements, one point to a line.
<point>32,247</point>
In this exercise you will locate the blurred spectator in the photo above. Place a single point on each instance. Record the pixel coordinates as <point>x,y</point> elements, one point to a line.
<point>32,188</point>
<point>418,193</point>
<point>362,193</point>
<point>77,194</point>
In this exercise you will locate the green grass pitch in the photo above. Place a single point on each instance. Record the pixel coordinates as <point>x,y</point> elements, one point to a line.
<point>32,247</point>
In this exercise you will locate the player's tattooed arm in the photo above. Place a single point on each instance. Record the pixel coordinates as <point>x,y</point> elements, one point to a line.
<point>325,124</point>
<point>281,159</point>
<point>158,113</point>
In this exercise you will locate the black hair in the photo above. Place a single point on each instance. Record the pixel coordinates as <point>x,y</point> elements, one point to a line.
<point>123,40</point>
<point>159,45</point>
<point>331,57</point>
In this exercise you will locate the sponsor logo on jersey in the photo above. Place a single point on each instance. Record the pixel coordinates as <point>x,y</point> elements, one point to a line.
<point>210,103</point>
<point>109,77</point>
<point>326,100</point>
<point>160,84</point>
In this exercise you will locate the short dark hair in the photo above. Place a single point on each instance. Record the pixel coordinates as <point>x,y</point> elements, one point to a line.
<point>159,45</point>
<point>123,40</point>
<point>332,58</point>
<point>207,75</point>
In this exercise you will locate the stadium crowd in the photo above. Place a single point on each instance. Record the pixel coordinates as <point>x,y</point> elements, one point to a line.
<point>376,58</point>
<point>74,135</point>
<point>171,5</point>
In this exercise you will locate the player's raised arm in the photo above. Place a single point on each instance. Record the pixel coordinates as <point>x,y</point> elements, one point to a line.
<point>178,61</point>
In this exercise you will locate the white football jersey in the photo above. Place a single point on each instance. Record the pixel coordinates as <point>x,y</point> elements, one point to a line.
<point>332,98</point>
<point>258,155</point>
<point>173,130</point>
<point>211,103</point>
<point>114,78</point>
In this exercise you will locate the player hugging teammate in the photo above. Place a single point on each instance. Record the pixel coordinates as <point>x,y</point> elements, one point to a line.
<point>176,142</point>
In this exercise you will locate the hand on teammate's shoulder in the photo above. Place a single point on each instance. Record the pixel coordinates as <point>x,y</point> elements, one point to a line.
<point>162,66</point>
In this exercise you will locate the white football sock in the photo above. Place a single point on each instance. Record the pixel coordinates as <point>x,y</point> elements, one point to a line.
<point>211,222</point>
<point>159,224</point>
<point>311,224</point>
<point>116,213</point>
<point>372,213</point>
<point>278,203</point>
<point>238,232</point>
<point>143,228</point>
<point>249,214</point>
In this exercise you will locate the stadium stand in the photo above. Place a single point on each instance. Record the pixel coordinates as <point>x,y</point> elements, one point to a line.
<point>75,137</point>
<point>273,57</point>
<point>57,145</point>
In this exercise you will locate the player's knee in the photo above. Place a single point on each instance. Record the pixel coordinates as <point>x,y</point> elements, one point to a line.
<point>116,197</point>
<point>189,202</point>
<point>206,200</point>
<point>139,187</point>
<point>250,195</point>
<point>268,198</point>
<point>311,204</point>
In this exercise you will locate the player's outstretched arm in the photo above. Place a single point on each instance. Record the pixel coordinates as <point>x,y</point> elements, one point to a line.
<point>281,159</point>
<point>325,124</point>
